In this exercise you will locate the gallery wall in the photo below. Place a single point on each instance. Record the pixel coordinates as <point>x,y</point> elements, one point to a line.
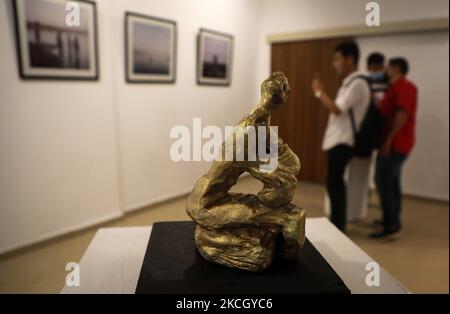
<point>146,112</point>
<point>74,154</point>
<point>58,160</point>
<point>426,171</point>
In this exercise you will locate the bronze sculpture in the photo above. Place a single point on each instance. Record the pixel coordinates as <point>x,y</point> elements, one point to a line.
<point>248,231</point>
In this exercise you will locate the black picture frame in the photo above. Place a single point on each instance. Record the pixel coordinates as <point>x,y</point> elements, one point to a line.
<point>30,72</point>
<point>214,81</point>
<point>130,75</point>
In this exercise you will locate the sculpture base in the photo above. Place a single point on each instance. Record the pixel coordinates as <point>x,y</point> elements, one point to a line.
<point>173,265</point>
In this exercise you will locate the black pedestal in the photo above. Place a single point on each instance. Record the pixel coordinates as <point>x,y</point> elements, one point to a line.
<point>173,265</point>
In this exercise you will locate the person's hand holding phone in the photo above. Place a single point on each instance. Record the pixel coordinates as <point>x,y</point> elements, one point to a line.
<point>316,85</point>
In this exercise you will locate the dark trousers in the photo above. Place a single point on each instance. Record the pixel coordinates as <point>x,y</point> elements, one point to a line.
<point>338,159</point>
<point>387,179</point>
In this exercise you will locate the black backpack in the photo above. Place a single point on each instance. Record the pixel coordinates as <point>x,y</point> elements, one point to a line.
<point>368,137</point>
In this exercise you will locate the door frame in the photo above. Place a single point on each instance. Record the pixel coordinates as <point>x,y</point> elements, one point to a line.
<point>361,30</point>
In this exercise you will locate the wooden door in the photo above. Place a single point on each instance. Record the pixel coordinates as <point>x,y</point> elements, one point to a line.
<point>301,123</point>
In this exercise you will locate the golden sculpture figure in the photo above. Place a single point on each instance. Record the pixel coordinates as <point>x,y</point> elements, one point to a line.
<point>248,231</point>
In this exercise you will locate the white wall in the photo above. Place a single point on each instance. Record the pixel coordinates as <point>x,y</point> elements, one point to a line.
<point>76,153</point>
<point>148,112</point>
<point>426,171</point>
<point>58,164</point>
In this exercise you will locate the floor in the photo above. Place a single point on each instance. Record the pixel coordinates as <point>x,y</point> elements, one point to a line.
<point>419,259</point>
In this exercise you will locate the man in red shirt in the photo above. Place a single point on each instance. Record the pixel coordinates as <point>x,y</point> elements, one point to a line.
<point>399,107</point>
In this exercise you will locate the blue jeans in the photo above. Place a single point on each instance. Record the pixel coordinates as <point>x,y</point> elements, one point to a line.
<point>387,178</point>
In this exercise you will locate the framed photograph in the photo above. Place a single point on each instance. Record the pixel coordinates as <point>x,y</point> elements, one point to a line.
<point>56,39</point>
<point>150,49</point>
<point>214,58</point>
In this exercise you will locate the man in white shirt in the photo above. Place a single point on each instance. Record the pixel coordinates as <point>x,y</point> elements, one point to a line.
<point>353,95</point>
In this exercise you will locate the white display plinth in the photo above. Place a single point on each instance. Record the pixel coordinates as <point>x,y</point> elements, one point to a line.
<point>113,260</point>
<point>359,180</point>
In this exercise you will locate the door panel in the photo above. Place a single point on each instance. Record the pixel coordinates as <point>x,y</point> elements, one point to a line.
<point>301,123</point>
